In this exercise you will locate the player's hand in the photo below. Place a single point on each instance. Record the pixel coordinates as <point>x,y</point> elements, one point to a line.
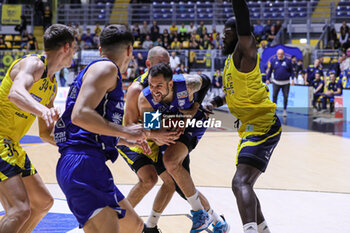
<point>50,115</point>
<point>189,113</point>
<point>137,133</point>
<point>165,137</point>
<point>207,109</point>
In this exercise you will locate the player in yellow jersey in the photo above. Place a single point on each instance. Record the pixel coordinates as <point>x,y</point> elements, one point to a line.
<point>28,90</point>
<point>247,99</point>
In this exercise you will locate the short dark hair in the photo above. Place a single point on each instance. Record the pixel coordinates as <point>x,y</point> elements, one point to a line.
<point>57,35</point>
<point>293,57</point>
<point>114,35</point>
<point>161,68</point>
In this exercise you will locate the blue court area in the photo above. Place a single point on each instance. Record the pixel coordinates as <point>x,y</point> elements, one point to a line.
<point>55,222</point>
<point>30,139</point>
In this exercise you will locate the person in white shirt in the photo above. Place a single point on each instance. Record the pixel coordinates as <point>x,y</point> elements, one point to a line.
<point>174,61</point>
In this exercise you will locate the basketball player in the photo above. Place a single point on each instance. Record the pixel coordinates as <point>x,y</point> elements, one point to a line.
<point>147,167</point>
<point>247,98</point>
<point>87,134</point>
<point>28,90</point>
<point>174,95</point>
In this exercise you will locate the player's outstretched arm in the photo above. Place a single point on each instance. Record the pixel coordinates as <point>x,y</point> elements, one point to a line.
<point>246,41</point>
<point>24,75</point>
<point>99,80</point>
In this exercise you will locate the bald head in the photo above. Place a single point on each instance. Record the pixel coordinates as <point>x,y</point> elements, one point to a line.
<point>280,54</point>
<point>157,55</point>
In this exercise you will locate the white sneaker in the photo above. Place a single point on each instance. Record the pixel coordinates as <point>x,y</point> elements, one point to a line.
<point>284,113</point>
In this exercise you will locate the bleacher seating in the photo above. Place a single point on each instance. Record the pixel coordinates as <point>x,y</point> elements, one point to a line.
<point>12,41</point>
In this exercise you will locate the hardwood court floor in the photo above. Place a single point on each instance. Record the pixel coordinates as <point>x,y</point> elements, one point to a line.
<point>306,187</point>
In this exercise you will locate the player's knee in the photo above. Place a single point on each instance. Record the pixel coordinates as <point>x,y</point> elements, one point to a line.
<point>150,180</point>
<point>20,213</point>
<point>169,185</point>
<point>43,205</point>
<point>172,166</point>
<point>238,183</point>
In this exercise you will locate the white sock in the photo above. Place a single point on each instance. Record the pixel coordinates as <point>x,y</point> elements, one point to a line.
<point>215,216</point>
<point>251,227</point>
<point>153,219</point>
<point>195,202</point>
<point>263,228</point>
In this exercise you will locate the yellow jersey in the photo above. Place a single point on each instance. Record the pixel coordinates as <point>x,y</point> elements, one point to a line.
<point>247,97</point>
<point>14,122</point>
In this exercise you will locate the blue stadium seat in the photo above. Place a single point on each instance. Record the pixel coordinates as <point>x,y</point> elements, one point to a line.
<point>254,9</point>
<point>341,13</point>
<point>255,16</point>
<point>267,15</point>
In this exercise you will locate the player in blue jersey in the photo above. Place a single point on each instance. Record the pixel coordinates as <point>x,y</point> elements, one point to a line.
<point>176,95</point>
<point>87,135</point>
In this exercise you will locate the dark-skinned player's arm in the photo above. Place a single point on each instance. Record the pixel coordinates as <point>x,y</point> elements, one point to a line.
<point>197,87</point>
<point>246,52</point>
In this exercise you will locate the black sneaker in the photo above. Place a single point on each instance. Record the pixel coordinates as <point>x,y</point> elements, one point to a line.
<point>152,230</point>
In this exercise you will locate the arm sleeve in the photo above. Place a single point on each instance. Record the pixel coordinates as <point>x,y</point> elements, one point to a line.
<point>270,70</point>
<point>204,89</point>
<point>241,11</point>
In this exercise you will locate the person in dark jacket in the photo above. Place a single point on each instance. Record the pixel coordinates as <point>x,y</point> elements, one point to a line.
<point>282,69</point>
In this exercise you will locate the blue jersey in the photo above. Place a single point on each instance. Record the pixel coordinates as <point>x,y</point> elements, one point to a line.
<point>180,101</point>
<point>316,84</point>
<point>111,108</point>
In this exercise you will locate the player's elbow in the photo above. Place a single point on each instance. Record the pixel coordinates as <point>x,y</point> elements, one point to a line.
<point>13,96</point>
<point>77,118</point>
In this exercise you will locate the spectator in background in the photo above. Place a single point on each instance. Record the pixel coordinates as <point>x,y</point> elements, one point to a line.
<point>300,79</point>
<point>191,29</point>
<point>166,43</point>
<point>155,31</point>
<point>258,30</point>
<point>182,69</point>
<point>32,43</point>
<point>336,66</point>
<point>294,65</point>
<point>3,45</point>
<point>136,32</point>
<point>166,35</point>
<point>141,61</point>
<point>79,29</point>
<point>216,83</point>
<point>333,89</point>
<point>47,18</point>
<point>311,70</point>
<point>201,28</point>
<point>343,38</point>
<point>333,39</point>
<point>213,34</point>
<point>282,69</point>
<point>147,44</point>
<point>218,42</point>
<point>344,27</point>
<point>278,26</point>
<point>62,77</point>
<point>205,44</point>
<point>88,39</point>
<point>267,28</point>
<point>300,66</point>
<point>176,44</point>
<point>131,71</point>
<point>345,78</point>
<point>144,30</point>
<point>270,36</point>
<point>174,61</point>
<point>261,48</point>
<point>318,86</point>
<point>97,30</point>
<point>158,43</point>
<point>24,40</point>
<point>173,29</point>
<point>21,28</point>
<point>183,32</point>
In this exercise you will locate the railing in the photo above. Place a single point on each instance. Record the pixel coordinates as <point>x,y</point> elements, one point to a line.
<point>323,40</point>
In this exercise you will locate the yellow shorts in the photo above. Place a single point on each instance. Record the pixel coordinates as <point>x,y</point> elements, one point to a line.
<point>13,160</point>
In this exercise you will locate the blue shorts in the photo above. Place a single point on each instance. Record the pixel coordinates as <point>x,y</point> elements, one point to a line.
<point>257,150</point>
<point>87,183</point>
